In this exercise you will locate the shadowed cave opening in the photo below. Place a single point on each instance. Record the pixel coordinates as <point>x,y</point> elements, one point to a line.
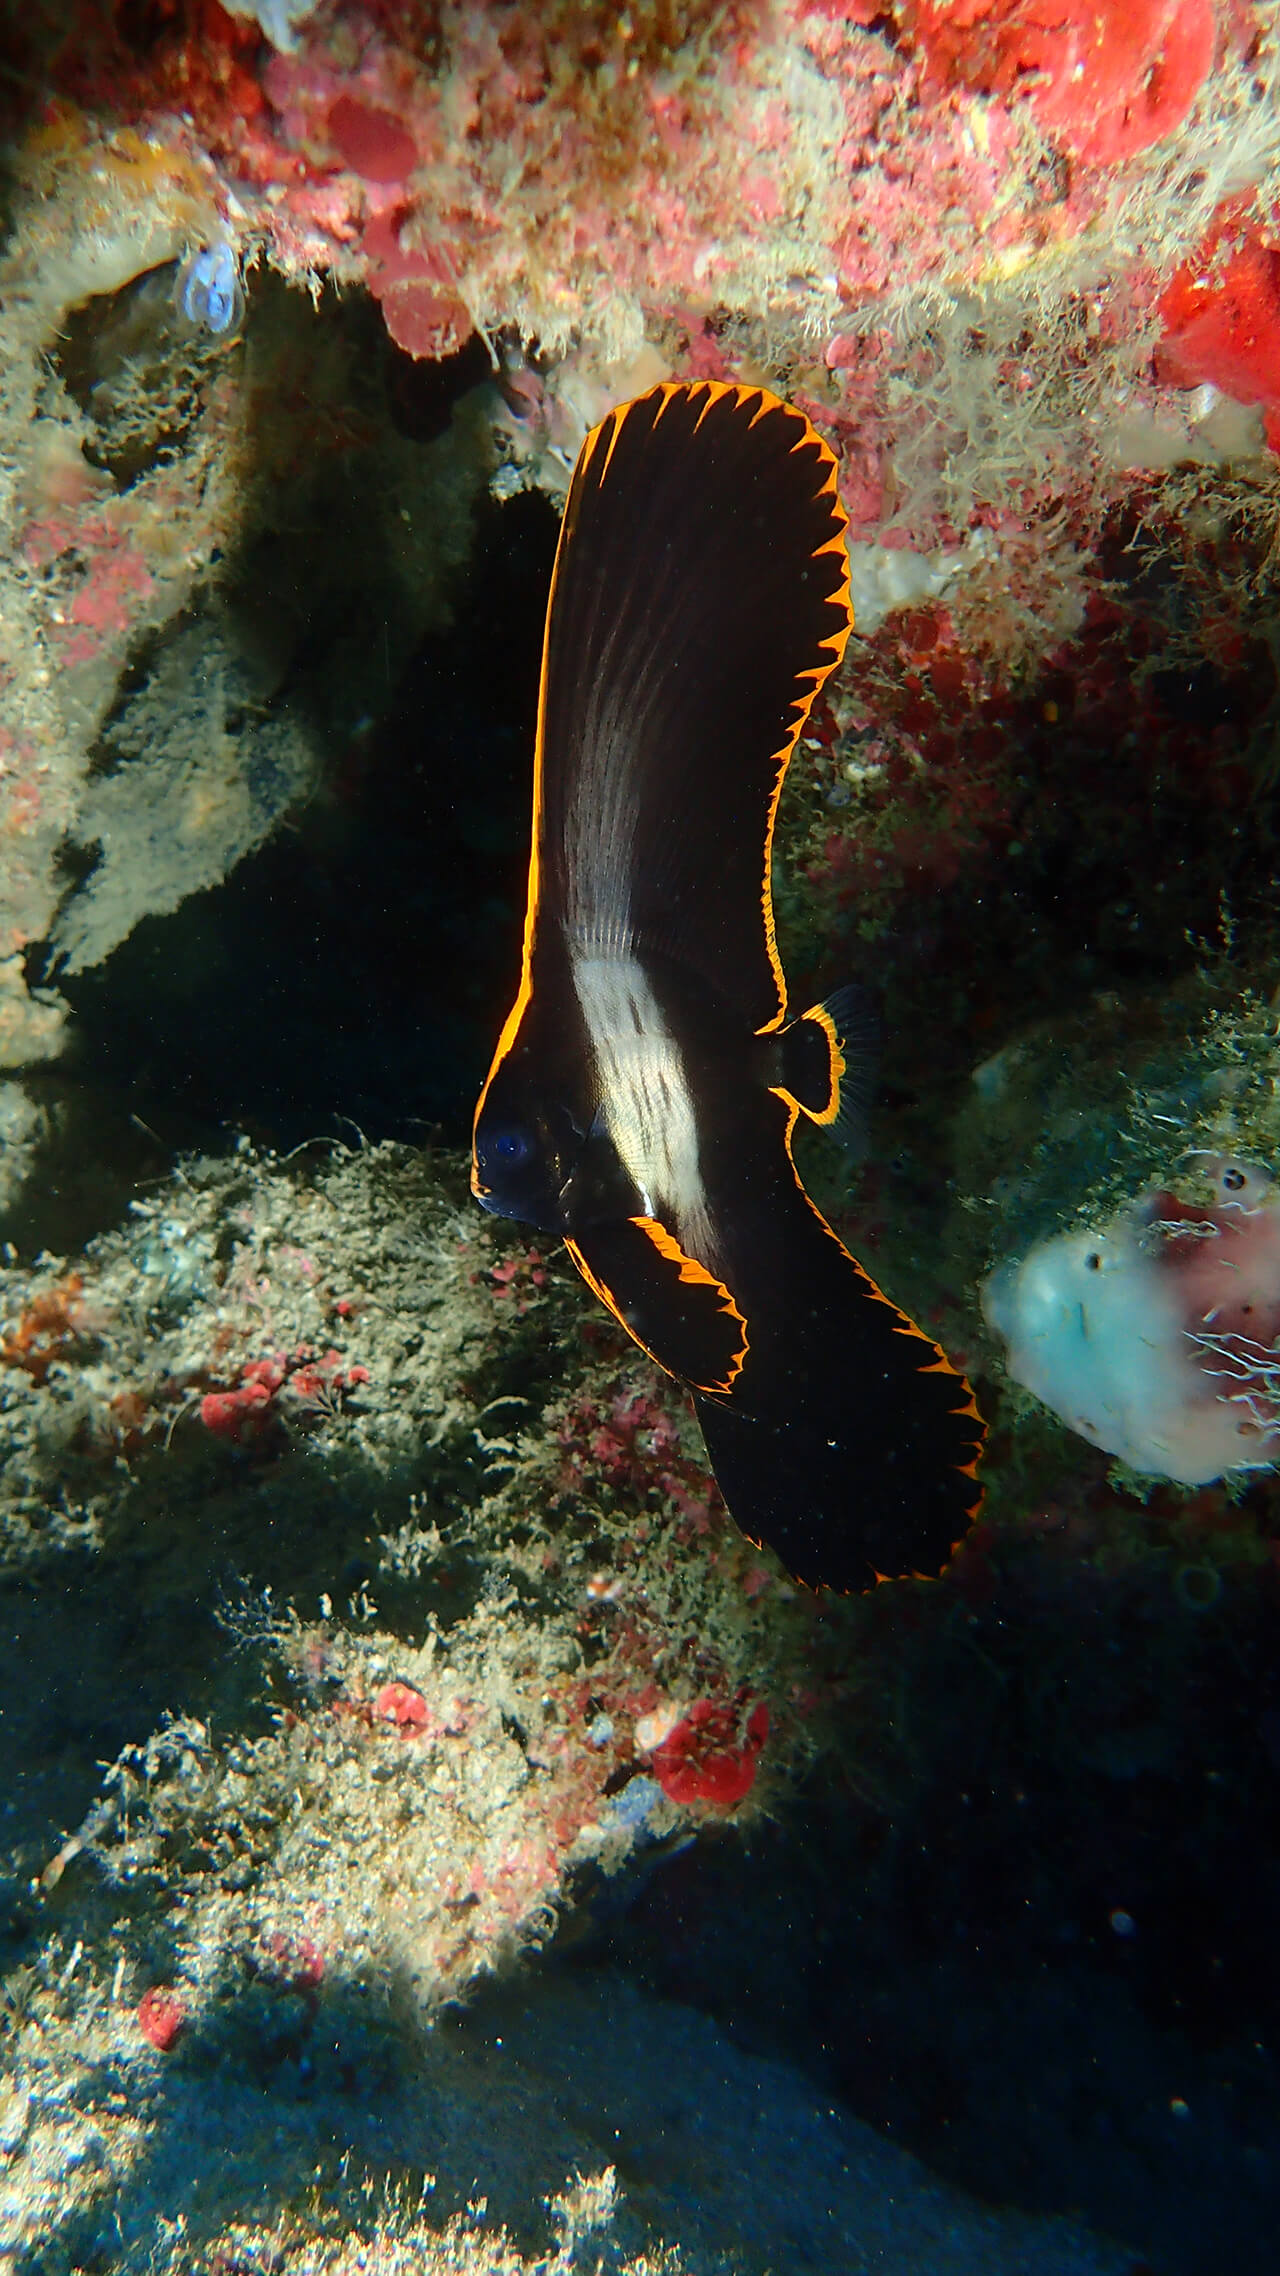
<point>359,963</point>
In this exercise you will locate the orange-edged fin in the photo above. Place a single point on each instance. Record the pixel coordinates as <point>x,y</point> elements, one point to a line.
<point>700,600</point>
<point>678,1312</point>
<point>829,1063</point>
<point>878,1484</point>
<point>848,1442</point>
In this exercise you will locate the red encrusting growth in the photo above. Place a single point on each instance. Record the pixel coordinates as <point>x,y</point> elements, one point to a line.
<point>519,1278</point>
<point>313,1388</point>
<point>162,2014</point>
<point>1107,78</point>
<point>403,1707</point>
<point>632,1444</point>
<point>371,141</point>
<point>711,1754</point>
<point>1221,315</point>
<point>228,1414</point>
<point>49,1330</point>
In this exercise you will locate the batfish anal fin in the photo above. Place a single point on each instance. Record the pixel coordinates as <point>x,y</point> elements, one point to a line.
<point>680,1314</point>
<point>850,1442</point>
<point>839,1513</point>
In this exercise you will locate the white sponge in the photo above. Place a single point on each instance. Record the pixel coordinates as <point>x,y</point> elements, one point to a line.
<point>1152,1336</point>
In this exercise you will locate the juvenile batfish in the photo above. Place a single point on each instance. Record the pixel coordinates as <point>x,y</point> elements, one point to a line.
<point>647,1083</point>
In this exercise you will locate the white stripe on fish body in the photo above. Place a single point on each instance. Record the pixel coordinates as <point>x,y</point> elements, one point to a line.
<point>597,851</point>
<point>645,1102</point>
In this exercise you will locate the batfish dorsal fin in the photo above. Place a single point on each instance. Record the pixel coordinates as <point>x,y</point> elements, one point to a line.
<point>700,599</point>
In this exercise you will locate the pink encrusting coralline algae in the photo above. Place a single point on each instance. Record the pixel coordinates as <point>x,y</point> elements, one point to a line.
<point>575,168</point>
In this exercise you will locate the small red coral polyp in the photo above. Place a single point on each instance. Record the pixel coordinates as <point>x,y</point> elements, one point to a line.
<point>400,1704</point>
<point>1221,317</point>
<point>1107,78</point>
<point>710,1757</point>
<point>240,1414</point>
<point>161,2016</point>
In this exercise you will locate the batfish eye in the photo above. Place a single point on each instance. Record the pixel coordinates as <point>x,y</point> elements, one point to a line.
<point>510,1147</point>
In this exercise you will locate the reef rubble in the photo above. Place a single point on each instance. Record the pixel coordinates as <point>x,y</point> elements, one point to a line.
<point>404,1589</point>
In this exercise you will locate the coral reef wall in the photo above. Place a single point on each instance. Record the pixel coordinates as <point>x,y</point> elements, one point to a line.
<point>368,1611</point>
<point>1022,269</point>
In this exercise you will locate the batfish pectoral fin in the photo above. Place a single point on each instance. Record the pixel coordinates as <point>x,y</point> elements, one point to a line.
<point>677,1311</point>
<point>829,1061</point>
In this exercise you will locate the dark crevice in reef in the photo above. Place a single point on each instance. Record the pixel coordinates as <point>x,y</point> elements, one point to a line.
<point>373,623</point>
<point>137,372</point>
<point>359,964</point>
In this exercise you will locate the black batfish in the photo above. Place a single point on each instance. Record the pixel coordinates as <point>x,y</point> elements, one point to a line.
<point>647,1082</point>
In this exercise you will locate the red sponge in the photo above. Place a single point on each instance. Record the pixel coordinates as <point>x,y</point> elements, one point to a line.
<point>1107,77</point>
<point>1221,317</point>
